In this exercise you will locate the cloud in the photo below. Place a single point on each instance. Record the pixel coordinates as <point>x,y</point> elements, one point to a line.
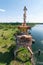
<point>2,10</point>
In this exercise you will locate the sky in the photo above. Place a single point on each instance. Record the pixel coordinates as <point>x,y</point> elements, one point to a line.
<point>12,10</point>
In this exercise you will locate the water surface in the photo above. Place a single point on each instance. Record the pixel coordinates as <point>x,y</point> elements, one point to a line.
<point>37,34</point>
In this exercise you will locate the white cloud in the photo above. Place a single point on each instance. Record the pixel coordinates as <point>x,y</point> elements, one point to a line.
<point>35,18</point>
<point>2,10</point>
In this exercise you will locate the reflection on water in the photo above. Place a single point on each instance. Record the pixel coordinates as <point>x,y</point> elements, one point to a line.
<point>37,34</point>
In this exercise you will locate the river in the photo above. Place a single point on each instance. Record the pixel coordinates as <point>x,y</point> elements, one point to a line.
<point>37,34</point>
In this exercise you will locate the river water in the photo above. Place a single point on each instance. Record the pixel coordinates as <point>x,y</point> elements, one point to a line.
<point>37,34</point>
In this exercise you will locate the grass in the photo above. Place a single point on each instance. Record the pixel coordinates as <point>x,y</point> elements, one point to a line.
<point>7,46</point>
<point>23,54</point>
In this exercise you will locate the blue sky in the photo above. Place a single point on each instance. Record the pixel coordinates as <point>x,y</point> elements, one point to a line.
<point>12,10</point>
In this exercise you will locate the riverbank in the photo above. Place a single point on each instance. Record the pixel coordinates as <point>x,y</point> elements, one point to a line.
<point>8,45</point>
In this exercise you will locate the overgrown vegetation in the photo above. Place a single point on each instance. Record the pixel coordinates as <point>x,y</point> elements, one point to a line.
<point>8,44</point>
